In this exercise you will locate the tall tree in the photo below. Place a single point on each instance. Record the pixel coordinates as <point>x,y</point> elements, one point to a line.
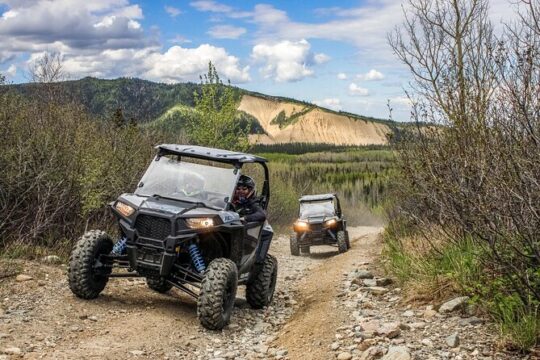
<point>215,124</point>
<point>448,46</point>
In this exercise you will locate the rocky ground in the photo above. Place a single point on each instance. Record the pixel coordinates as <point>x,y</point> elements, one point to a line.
<point>327,306</point>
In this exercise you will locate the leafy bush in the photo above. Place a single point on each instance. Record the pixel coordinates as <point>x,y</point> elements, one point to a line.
<point>473,178</point>
<point>60,169</point>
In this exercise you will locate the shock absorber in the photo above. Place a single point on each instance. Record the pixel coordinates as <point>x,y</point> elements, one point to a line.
<point>196,257</point>
<point>120,247</point>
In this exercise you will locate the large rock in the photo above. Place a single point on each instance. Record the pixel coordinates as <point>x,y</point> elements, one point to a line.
<point>429,313</point>
<point>12,350</point>
<point>397,353</point>
<point>373,352</point>
<point>363,274</point>
<point>453,305</point>
<point>371,327</point>
<point>370,282</point>
<point>344,356</point>
<point>22,278</point>
<point>377,290</point>
<point>389,330</point>
<point>453,340</point>
<point>360,275</point>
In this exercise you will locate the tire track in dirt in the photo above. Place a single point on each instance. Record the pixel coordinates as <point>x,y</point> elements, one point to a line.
<point>311,329</point>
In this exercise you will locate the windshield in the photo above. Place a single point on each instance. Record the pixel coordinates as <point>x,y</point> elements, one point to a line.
<point>188,181</point>
<point>324,208</point>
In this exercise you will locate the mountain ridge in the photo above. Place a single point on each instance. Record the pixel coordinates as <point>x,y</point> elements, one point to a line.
<point>145,101</point>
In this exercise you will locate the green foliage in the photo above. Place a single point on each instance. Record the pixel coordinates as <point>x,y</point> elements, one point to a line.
<point>173,121</point>
<point>518,323</point>
<point>215,124</point>
<point>139,99</point>
<point>279,119</point>
<point>454,267</point>
<point>283,120</point>
<point>360,177</point>
<point>459,267</point>
<point>249,122</point>
<point>60,169</point>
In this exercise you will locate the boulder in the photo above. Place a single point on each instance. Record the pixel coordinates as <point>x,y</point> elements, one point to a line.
<point>453,305</point>
<point>397,353</point>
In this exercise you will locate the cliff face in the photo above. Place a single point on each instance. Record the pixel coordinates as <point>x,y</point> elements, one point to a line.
<point>286,122</point>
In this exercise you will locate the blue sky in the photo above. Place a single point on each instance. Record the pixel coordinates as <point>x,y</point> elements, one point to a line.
<point>330,53</point>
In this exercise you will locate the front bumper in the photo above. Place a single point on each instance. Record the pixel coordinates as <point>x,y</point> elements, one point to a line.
<point>324,236</point>
<point>153,256</point>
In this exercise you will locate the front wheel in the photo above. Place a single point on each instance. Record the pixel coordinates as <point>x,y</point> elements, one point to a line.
<point>295,249</point>
<point>341,241</point>
<point>87,275</point>
<point>347,239</point>
<point>306,250</point>
<point>260,288</point>
<point>218,292</point>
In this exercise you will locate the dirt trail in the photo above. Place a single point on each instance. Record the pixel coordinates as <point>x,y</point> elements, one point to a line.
<point>322,309</point>
<point>311,329</point>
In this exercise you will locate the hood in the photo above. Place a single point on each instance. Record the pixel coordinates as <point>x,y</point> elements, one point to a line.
<point>167,206</point>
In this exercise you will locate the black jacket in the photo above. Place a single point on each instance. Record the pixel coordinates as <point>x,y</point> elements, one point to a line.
<point>250,210</point>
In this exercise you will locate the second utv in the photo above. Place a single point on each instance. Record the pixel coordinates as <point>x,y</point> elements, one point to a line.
<point>320,222</point>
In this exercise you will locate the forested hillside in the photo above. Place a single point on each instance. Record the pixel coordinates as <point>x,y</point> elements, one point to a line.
<point>270,119</point>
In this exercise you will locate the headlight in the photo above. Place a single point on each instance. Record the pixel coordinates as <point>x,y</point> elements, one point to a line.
<point>301,226</point>
<point>124,209</point>
<point>200,223</point>
<point>330,222</point>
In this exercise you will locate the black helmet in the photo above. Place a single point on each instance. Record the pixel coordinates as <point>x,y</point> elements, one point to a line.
<point>246,181</point>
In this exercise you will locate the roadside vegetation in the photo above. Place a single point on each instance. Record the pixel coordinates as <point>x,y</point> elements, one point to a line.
<point>62,164</point>
<point>359,175</point>
<point>465,216</point>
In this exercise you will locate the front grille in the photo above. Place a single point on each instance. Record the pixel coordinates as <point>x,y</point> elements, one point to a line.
<point>316,227</point>
<point>153,227</point>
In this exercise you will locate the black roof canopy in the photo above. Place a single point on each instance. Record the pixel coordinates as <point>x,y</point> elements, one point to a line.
<point>207,153</point>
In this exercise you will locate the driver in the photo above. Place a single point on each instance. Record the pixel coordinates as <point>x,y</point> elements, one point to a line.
<point>245,204</point>
<point>192,185</point>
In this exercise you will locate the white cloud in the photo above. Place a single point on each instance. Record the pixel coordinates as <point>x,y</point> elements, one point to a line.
<point>215,7</point>
<point>321,58</point>
<point>371,75</point>
<point>174,12</point>
<point>342,76</point>
<point>212,6</point>
<point>177,64</point>
<point>183,64</point>
<point>179,39</point>
<point>226,32</point>
<point>401,101</point>
<point>330,103</point>
<point>9,14</point>
<point>76,25</point>
<point>283,61</point>
<point>11,71</point>
<point>267,15</point>
<point>365,27</point>
<point>357,90</point>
